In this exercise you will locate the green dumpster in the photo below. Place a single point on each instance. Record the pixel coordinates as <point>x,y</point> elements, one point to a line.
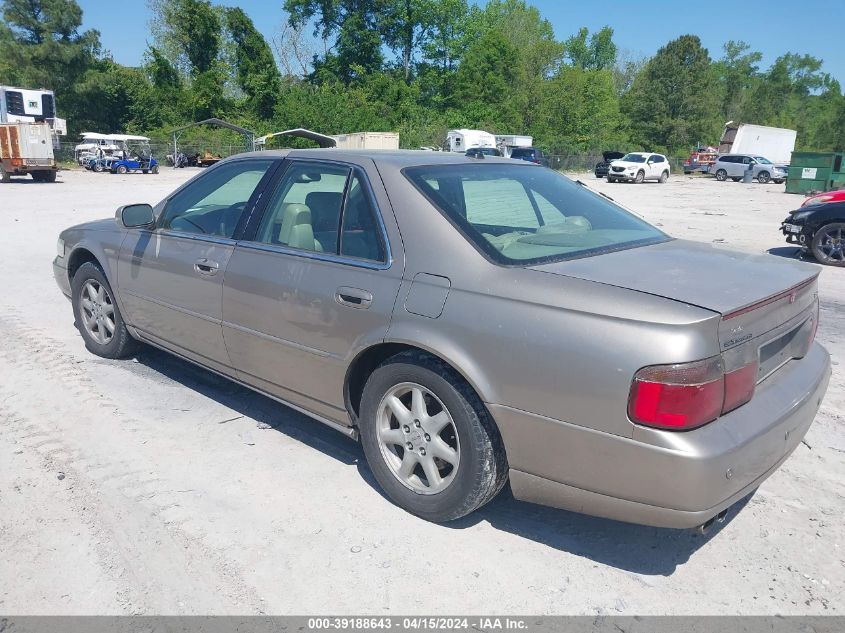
<point>812,172</point>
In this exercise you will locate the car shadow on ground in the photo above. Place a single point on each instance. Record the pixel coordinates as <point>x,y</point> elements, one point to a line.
<point>637,549</point>
<point>790,252</point>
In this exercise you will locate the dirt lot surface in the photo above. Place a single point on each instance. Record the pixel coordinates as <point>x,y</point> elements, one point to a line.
<point>150,486</point>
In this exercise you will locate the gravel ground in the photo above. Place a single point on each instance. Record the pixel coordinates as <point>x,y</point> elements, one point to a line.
<point>149,486</point>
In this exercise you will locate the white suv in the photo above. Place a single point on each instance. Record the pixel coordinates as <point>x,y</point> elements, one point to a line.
<point>639,166</point>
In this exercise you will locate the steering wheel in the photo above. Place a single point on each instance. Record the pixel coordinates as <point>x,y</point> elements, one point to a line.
<point>231,214</point>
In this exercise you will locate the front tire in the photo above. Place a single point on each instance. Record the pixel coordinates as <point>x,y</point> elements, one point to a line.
<point>429,440</point>
<point>640,177</point>
<point>828,244</point>
<point>121,169</point>
<point>763,177</point>
<point>721,175</point>
<point>97,315</point>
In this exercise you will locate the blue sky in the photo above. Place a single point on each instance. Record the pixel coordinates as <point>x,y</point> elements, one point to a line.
<point>773,27</point>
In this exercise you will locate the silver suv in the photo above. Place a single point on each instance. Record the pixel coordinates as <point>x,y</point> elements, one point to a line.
<point>733,166</point>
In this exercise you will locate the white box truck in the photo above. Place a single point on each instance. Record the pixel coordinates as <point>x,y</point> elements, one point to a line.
<point>506,142</point>
<point>774,143</point>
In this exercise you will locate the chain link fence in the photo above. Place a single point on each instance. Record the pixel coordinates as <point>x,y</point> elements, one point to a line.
<point>579,162</point>
<point>161,149</point>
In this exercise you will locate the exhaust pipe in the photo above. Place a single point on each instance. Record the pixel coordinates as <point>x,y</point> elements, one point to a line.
<point>705,527</point>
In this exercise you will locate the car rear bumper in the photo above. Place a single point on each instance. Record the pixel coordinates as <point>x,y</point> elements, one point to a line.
<point>664,478</point>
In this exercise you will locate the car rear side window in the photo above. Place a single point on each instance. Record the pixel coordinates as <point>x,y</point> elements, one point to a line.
<point>524,215</point>
<point>323,208</point>
<point>213,204</point>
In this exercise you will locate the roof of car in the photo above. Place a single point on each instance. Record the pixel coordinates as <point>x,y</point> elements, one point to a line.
<point>398,159</point>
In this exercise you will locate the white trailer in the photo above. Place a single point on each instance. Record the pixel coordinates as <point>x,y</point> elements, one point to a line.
<point>24,105</point>
<point>774,143</point>
<point>506,142</point>
<point>29,131</point>
<point>367,140</point>
<point>461,140</point>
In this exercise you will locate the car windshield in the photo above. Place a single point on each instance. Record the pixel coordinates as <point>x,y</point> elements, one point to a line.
<point>634,158</point>
<point>525,215</point>
<point>762,160</point>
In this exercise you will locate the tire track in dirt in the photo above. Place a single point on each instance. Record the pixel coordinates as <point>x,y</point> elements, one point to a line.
<point>99,488</point>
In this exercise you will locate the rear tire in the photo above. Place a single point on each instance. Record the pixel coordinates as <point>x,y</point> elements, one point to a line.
<point>721,175</point>
<point>4,175</point>
<point>663,177</point>
<point>154,169</point>
<point>429,440</point>
<point>121,169</point>
<point>97,315</point>
<point>48,176</point>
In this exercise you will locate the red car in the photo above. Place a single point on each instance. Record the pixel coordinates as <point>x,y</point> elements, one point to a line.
<point>828,196</point>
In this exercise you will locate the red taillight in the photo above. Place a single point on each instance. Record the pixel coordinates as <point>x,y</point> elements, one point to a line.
<point>687,395</point>
<point>681,396</point>
<point>739,386</point>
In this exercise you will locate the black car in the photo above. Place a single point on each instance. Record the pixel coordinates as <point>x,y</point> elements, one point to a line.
<point>820,229</point>
<point>531,154</point>
<point>487,151</point>
<point>603,166</point>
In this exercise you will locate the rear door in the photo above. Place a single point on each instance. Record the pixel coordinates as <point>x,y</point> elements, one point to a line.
<point>312,283</point>
<point>171,278</point>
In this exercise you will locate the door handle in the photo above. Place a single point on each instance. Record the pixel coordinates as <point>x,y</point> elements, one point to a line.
<point>354,297</point>
<point>206,267</point>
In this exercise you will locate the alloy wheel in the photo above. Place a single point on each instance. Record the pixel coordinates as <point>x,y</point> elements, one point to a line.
<point>97,311</point>
<point>830,244</point>
<point>418,438</point>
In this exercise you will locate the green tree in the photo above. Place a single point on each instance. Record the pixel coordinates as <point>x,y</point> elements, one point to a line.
<point>485,85</point>
<point>257,73</point>
<point>597,54</point>
<point>737,71</point>
<point>40,44</point>
<point>357,28</point>
<point>673,102</point>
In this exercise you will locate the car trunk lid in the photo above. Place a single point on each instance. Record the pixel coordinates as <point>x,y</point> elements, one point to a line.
<point>762,299</point>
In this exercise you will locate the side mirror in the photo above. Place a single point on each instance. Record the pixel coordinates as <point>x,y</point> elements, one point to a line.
<point>133,216</point>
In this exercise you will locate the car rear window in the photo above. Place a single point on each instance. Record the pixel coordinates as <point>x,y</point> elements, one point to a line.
<point>521,215</point>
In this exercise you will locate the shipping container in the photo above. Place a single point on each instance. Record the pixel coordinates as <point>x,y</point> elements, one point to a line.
<point>367,140</point>
<point>774,143</point>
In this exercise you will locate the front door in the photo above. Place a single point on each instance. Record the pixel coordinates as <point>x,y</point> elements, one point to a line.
<point>171,278</point>
<point>313,285</point>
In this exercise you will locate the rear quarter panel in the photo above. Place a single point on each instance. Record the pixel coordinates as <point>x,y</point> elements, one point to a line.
<point>549,344</point>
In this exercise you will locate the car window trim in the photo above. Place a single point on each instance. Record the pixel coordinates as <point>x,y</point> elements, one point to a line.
<point>248,239</point>
<point>254,198</point>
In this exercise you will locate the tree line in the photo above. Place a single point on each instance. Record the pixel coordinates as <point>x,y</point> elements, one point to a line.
<point>417,67</point>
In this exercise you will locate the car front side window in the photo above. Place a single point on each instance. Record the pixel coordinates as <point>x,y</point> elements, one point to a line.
<point>214,203</point>
<point>304,210</point>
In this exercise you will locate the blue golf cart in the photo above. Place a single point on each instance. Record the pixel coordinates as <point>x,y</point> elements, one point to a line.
<point>138,156</point>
